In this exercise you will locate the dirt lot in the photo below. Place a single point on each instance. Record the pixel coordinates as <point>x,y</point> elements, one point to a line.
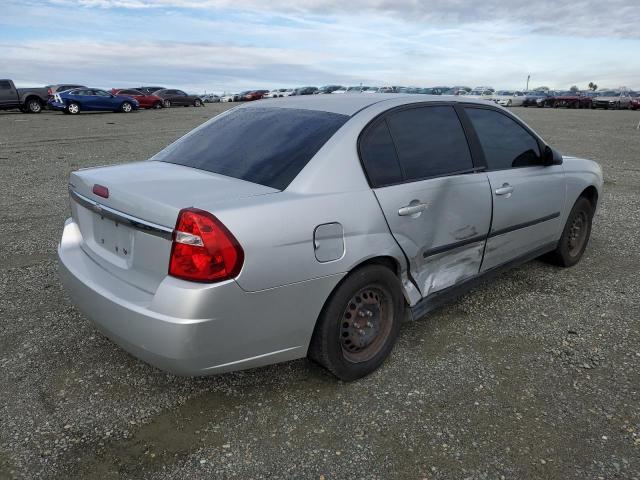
<point>535,375</point>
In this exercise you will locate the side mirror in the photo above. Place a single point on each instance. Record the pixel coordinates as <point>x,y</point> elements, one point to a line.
<point>551,157</point>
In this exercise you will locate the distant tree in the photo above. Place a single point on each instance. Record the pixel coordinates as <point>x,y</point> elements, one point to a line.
<point>593,86</point>
<point>574,88</point>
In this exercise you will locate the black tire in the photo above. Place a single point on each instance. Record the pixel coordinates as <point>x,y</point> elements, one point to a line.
<point>197,102</point>
<point>33,105</point>
<point>570,249</point>
<point>157,105</point>
<point>73,108</point>
<point>126,107</point>
<point>342,317</point>
<point>166,104</point>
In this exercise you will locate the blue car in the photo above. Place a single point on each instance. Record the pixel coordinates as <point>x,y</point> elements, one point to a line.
<point>91,100</point>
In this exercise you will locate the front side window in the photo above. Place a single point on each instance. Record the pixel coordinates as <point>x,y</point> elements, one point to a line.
<point>268,146</point>
<point>430,142</point>
<point>5,85</point>
<point>505,143</point>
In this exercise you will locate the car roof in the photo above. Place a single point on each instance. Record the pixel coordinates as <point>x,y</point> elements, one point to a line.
<point>352,104</point>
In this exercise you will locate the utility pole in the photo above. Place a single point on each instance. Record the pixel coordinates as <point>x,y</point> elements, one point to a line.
<point>528,78</point>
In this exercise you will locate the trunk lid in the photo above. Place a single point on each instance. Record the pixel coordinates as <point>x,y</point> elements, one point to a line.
<point>128,233</point>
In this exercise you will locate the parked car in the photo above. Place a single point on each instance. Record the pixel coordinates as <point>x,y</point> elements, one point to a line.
<point>178,98</point>
<point>635,101</point>
<point>280,92</point>
<point>481,93</point>
<point>149,90</point>
<point>61,87</point>
<point>144,100</point>
<point>509,98</point>
<point>535,99</point>
<point>91,100</point>
<point>612,99</point>
<point>458,90</point>
<point>27,100</point>
<point>569,99</point>
<point>328,89</point>
<point>305,91</point>
<point>210,98</point>
<point>227,97</point>
<point>228,250</point>
<point>254,95</point>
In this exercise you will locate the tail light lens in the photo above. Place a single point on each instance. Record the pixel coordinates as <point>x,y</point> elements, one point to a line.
<point>203,249</point>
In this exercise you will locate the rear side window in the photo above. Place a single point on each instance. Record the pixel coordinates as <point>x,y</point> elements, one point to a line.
<point>379,156</point>
<point>268,146</point>
<point>430,142</point>
<point>504,142</point>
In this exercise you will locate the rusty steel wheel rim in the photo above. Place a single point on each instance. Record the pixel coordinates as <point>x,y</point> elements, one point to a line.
<point>366,323</point>
<point>577,233</point>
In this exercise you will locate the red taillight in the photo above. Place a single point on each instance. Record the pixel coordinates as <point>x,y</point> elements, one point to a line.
<point>101,191</point>
<point>203,249</point>
<point>49,92</point>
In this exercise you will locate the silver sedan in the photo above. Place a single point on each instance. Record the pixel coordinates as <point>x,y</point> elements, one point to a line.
<point>313,226</point>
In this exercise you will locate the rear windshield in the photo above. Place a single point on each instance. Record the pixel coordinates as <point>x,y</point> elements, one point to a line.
<point>268,146</point>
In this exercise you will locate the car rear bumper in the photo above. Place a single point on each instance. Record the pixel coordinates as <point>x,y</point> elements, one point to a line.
<point>57,105</point>
<point>193,329</point>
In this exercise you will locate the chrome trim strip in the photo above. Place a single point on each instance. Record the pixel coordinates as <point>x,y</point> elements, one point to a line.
<point>103,210</point>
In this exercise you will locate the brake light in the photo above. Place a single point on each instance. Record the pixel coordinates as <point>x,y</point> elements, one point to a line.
<point>203,250</point>
<point>101,191</point>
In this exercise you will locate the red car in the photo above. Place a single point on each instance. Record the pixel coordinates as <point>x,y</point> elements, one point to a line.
<point>145,101</point>
<point>255,95</point>
<point>635,103</point>
<point>570,100</point>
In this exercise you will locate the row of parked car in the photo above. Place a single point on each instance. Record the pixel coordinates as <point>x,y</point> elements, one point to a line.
<point>72,99</point>
<point>607,99</point>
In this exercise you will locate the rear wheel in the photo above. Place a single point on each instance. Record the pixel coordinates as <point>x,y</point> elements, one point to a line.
<point>359,324</point>
<point>167,104</point>
<point>575,235</point>
<point>33,105</point>
<point>157,105</point>
<point>126,107</point>
<point>73,108</point>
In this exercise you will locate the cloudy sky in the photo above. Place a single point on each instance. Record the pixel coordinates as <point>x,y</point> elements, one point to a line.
<point>225,45</point>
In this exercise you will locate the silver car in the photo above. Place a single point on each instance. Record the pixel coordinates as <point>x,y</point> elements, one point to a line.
<point>313,226</point>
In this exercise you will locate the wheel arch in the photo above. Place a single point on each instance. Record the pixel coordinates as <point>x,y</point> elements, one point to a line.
<point>591,194</point>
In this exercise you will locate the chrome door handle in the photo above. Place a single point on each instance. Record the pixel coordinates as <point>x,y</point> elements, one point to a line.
<point>505,189</point>
<point>412,209</point>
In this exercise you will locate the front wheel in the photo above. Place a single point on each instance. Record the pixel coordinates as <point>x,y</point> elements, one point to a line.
<point>73,108</point>
<point>157,105</point>
<point>197,103</point>
<point>359,324</point>
<point>575,235</point>
<point>126,107</point>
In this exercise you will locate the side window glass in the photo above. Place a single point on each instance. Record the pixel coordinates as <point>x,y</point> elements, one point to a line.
<point>430,142</point>
<point>4,85</point>
<point>504,142</point>
<point>379,156</point>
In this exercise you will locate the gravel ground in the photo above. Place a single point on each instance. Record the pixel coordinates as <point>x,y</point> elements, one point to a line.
<point>534,375</point>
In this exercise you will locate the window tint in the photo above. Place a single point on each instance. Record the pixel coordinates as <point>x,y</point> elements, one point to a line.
<point>429,141</point>
<point>505,143</point>
<point>379,156</point>
<point>5,85</point>
<point>101,93</point>
<point>269,146</point>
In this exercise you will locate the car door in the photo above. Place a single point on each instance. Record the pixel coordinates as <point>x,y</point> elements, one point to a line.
<point>436,203</point>
<point>8,95</point>
<point>528,197</point>
<point>105,101</point>
<point>181,98</point>
<point>85,98</point>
